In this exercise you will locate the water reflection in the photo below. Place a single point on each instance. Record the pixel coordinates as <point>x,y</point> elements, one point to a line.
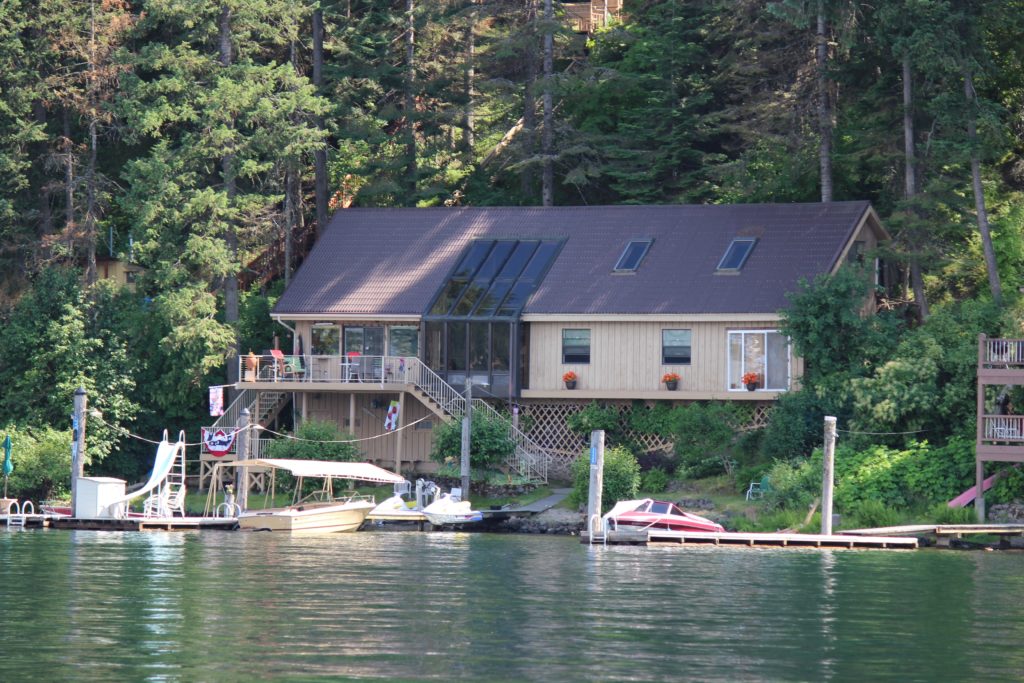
<point>240,606</point>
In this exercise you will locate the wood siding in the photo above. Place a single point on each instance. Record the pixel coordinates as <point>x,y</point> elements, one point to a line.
<point>625,357</point>
<point>334,406</point>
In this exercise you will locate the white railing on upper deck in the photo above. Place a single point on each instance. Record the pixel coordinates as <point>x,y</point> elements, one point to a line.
<point>1008,428</point>
<point>1004,352</point>
<point>530,459</point>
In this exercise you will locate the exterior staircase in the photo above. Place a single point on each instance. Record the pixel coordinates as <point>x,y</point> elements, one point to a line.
<point>529,459</point>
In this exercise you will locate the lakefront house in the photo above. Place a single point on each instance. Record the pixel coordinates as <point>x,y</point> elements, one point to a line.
<point>541,311</point>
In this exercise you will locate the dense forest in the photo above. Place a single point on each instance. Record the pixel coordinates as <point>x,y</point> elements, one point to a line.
<point>208,142</point>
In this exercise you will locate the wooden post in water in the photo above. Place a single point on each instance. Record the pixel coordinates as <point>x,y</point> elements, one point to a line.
<point>81,401</point>
<point>242,452</point>
<point>596,481</point>
<point>467,426</point>
<point>827,475</point>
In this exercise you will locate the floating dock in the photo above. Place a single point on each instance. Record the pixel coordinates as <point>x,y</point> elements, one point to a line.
<point>130,524</point>
<point>752,540</point>
<point>945,534</point>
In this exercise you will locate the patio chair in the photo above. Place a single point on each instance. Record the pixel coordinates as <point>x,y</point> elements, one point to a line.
<point>757,489</point>
<point>293,367</point>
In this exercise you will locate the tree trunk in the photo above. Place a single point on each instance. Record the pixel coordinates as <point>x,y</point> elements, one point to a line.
<point>547,133</point>
<point>910,184</point>
<point>69,181</point>
<point>230,189</point>
<point>90,175</point>
<point>468,138</point>
<point>90,209</point>
<point>529,97</point>
<point>979,194</point>
<point>320,156</point>
<point>410,103</point>
<point>824,109</point>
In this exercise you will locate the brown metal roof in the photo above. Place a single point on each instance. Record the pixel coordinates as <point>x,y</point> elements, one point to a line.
<point>381,262</point>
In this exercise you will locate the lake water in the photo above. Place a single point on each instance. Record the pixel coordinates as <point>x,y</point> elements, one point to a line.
<point>222,606</point>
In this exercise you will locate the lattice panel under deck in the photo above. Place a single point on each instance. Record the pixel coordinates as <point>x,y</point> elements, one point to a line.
<point>549,428</point>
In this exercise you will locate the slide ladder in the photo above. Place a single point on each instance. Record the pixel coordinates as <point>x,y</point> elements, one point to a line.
<point>166,484</point>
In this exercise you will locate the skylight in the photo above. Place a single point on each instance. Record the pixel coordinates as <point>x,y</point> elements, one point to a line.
<point>737,253</point>
<point>632,255</point>
<point>493,279</point>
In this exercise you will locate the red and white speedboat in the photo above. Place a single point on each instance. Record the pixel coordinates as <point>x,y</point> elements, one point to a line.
<point>657,514</point>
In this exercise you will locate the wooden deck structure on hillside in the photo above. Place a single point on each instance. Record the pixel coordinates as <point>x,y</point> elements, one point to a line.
<point>1000,435</point>
<point>586,17</point>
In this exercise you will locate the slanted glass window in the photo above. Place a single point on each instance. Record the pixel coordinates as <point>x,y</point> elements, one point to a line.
<point>575,346</point>
<point>675,347</point>
<point>494,279</point>
<point>737,253</point>
<point>632,255</point>
<point>762,352</point>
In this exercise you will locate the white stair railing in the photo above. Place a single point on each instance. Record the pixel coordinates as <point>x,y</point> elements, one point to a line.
<point>530,458</point>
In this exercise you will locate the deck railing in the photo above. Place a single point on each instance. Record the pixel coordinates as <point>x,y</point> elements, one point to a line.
<point>530,459</point>
<point>1007,353</point>
<point>1004,428</point>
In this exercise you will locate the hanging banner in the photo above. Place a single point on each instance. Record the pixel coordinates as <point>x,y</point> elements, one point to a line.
<point>216,401</point>
<point>391,421</point>
<point>218,442</point>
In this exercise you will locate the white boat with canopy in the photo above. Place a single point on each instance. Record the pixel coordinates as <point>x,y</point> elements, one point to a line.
<point>321,511</point>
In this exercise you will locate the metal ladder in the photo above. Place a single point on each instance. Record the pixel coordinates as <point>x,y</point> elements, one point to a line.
<point>17,513</point>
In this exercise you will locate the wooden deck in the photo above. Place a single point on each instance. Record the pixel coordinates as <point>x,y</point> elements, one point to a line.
<point>755,540</point>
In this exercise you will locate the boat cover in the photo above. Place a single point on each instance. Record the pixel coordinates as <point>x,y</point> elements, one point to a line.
<point>362,471</point>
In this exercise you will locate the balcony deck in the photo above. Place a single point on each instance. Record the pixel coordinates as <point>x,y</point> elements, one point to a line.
<point>1000,435</point>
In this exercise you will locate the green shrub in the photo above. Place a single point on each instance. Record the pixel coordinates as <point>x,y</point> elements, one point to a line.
<point>941,513</point>
<point>705,437</point>
<point>868,514</point>
<point>621,480</point>
<point>654,480</point>
<point>793,486</point>
<point>489,447</point>
<point>313,441</point>
<point>42,463</point>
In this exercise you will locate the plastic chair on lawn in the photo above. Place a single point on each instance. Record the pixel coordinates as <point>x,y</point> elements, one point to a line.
<point>757,489</point>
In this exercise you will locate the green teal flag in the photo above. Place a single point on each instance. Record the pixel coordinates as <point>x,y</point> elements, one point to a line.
<point>8,465</point>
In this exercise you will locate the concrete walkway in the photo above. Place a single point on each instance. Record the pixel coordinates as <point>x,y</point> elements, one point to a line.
<point>536,507</point>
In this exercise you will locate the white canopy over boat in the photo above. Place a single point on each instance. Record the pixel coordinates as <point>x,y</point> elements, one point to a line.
<point>363,471</point>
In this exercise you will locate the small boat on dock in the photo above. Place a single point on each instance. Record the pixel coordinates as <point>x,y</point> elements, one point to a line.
<point>321,511</point>
<point>648,513</point>
<point>447,510</point>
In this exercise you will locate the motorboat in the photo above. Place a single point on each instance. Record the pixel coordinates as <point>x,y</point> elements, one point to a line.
<point>450,510</point>
<point>322,510</point>
<point>398,509</point>
<point>648,513</point>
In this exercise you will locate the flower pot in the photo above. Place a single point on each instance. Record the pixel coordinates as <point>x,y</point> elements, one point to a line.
<point>672,384</point>
<point>751,386</point>
<point>571,384</point>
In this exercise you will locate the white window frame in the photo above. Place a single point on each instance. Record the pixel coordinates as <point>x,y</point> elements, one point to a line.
<point>728,360</point>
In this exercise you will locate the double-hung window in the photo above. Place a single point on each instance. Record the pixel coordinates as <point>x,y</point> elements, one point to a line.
<point>575,346</point>
<point>762,352</point>
<point>675,347</point>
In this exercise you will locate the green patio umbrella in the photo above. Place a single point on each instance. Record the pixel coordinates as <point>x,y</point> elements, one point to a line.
<point>8,465</point>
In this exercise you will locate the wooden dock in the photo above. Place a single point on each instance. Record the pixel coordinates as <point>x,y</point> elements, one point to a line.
<point>945,534</point>
<point>753,540</point>
<point>147,524</point>
<point>130,524</point>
